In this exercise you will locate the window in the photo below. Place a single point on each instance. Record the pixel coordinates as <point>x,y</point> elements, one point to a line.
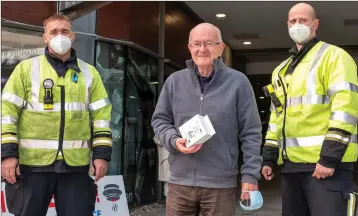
<point>110,65</point>
<point>140,149</point>
<point>18,45</point>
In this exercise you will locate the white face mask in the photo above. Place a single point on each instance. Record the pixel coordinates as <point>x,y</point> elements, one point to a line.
<point>300,33</point>
<point>60,44</point>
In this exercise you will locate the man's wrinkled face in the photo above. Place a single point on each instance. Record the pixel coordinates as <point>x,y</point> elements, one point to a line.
<point>204,46</point>
<point>56,27</point>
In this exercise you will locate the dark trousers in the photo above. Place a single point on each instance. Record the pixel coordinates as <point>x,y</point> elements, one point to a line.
<point>190,201</point>
<point>74,193</point>
<point>304,195</point>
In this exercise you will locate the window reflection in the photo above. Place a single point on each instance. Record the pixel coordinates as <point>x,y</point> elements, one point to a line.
<point>110,64</point>
<point>140,150</point>
<point>18,45</point>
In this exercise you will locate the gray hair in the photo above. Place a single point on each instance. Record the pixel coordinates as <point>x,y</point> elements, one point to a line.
<point>217,30</point>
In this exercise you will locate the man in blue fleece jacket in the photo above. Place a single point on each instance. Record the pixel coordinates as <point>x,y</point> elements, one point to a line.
<point>204,177</point>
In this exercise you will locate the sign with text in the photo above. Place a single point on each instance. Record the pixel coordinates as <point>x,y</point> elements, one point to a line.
<point>111,199</point>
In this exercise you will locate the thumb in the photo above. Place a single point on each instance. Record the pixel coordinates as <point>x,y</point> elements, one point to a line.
<point>182,141</point>
<point>269,171</point>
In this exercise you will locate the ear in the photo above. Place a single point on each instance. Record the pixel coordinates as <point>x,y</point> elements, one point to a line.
<point>44,38</point>
<point>316,24</point>
<point>222,45</point>
<point>73,36</point>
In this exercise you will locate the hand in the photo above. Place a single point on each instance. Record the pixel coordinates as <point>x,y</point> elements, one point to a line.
<point>8,168</point>
<point>322,172</point>
<point>267,173</point>
<point>180,144</point>
<point>245,188</point>
<point>99,169</point>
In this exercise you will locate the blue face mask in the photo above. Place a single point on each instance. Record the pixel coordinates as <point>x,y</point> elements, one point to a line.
<point>256,201</point>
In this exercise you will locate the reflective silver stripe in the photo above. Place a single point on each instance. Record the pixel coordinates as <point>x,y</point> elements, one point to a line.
<point>352,202</point>
<point>336,136</point>
<point>342,86</point>
<point>280,67</point>
<point>73,106</point>
<point>101,124</point>
<point>35,79</point>
<point>271,142</point>
<point>272,107</point>
<point>311,80</point>
<point>12,138</point>
<point>14,99</point>
<point>271,128</point>
<point>344,117</point>
<point>8,120</point>
<point>53,144</point>
<point>311,141</point>
<point>102,142</point>
<point>283,64</point>
<point>36,85</point>
<point>309,99</point>
<point>99,104</point>
<point>87,77</point>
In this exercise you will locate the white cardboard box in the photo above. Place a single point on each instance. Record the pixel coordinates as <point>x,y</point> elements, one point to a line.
<point>197,130</point>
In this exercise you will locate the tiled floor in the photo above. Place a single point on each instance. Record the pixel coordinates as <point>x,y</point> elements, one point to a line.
<point>272,201</point>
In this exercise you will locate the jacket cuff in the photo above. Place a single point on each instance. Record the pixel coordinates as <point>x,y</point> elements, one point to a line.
<point>269,163</point>
<point>329,162</point>
<point>247,178</point>
<point>9,150</point>
<point>102,152</point>
<point>173,143</point>
<point>334,146</point>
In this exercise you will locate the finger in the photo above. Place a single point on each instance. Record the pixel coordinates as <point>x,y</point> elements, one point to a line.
<point>7,174</point>
<point>103,171</point>
<point>318,176</point>
<point>98,170</point>
<point>11,175</point>
<point>265,175</point>
<point>182,141</point>
<point>3,172</point>
<point>271,176</point>
<point>92,171</point>
<point>198,147</point>
<point>314,174</point>
<point>18,170</point>
<point>245,196</point>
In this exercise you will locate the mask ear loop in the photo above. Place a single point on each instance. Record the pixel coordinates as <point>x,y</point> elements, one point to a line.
<point>247,200</point>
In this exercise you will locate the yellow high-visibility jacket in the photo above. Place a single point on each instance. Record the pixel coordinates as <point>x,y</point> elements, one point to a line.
<point>320,109</point>
<point>38,136</point>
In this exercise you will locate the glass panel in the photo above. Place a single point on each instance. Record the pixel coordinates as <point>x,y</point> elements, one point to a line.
<point>140,149</point>
<point>84,46</point>
<point>110,64</point>
<point>18,45</point>
<point>168,70</point>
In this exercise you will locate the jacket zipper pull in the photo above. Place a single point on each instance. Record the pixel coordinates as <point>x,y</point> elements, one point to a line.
<point>201,97</point>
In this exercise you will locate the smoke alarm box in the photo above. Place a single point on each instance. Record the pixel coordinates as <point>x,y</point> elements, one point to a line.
<point>197,130</point>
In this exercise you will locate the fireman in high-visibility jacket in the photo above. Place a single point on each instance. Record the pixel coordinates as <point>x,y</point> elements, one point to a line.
<point>55,123</point>
<point>312,131</point>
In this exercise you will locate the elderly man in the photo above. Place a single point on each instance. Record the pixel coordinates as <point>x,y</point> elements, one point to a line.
<point>204,177</point>
<point>313,127</point>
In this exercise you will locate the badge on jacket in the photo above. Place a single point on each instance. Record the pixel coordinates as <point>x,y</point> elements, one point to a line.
<point>48,98</point>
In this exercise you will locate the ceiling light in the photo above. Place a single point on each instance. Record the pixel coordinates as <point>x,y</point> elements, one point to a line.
<point>220,15</point>
<point>247,43</point>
